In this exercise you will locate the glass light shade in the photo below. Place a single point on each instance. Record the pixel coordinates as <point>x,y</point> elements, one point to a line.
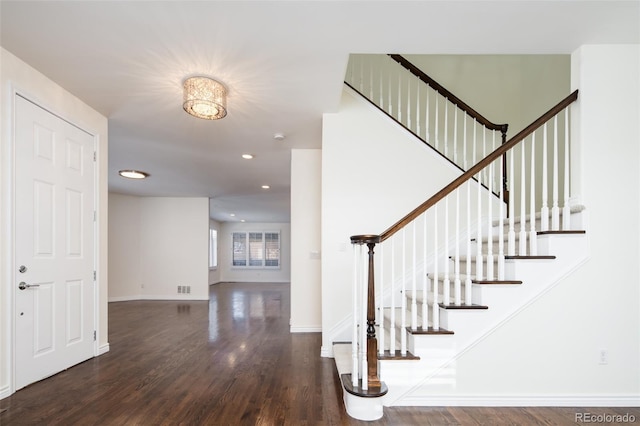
<point>205,98</point>
<point>133,174</point>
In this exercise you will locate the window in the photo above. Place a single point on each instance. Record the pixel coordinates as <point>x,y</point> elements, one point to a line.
<point>213,249</point>
<point>256,249</point>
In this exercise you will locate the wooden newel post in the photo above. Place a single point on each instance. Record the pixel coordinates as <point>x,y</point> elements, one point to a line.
<point>373,380</point>
<point>372,341</point>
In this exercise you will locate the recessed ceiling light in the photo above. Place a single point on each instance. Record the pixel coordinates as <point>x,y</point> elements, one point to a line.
<point>279,136</point>
<point>242,220</point>
<point>232,214</point>
<point>265,187</point>
<point>133,174</point>
<point>247,156</point>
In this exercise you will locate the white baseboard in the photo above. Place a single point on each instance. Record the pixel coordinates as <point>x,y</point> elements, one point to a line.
<point>294,329</point>
<point>521,401</point>
<point>123,298</point>
<point>5,392</point>
<point>103,349</point>
<point>155,297</point>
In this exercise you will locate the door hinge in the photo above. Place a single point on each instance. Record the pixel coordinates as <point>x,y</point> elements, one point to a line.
<point>94,335</point>
<point>94,275</point>
<point>94,155</point>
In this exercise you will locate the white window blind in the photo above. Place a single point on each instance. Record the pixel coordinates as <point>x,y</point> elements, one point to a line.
<point>256,249</point>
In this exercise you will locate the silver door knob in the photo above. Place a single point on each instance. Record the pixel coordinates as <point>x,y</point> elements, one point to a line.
<point>24,286</point>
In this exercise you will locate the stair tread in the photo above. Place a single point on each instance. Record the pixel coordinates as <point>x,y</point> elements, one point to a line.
<point>462,307</point>
<point>429,330</point>
<point>568,232</point>
<point>505,282</point>
<point>397,356</point>
<point>527,257</point>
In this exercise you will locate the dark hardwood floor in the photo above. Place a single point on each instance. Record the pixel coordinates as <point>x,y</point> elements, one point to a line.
<point>229,361</point>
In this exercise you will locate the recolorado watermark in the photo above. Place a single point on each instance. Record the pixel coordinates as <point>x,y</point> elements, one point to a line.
<point>605,418</point>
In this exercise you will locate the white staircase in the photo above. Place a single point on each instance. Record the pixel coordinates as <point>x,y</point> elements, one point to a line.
<point>475,254</point>
<point>428,370</point>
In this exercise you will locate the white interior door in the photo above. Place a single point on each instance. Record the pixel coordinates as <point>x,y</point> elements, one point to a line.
<point>54,244</point>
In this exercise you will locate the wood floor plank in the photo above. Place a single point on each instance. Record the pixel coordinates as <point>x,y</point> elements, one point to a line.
<point>228,361</point>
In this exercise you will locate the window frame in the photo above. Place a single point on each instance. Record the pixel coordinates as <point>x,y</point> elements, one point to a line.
<point>263,250</point>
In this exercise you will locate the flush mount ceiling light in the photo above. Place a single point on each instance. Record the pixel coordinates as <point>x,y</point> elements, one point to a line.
<point>133,174</point>
<point>205,98</point>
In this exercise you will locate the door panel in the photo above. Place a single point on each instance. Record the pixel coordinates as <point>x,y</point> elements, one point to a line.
<point>54,233</point>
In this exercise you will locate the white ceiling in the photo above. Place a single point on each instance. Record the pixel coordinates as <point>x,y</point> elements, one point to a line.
<point>283,63</point>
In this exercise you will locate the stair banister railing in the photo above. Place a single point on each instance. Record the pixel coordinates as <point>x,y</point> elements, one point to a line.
<point>500,151</point>
<point>416,101</point>
<point>371,376</point>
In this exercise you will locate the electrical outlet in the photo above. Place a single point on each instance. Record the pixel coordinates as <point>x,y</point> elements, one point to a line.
<point>603,358</point>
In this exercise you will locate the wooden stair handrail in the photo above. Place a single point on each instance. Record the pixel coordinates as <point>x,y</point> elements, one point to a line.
<point>447,94</point>
<point>501,150</point>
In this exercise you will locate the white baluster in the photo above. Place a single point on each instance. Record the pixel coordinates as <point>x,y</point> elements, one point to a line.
<point>389,91</point>
<point>400,98</point>
<point>455,135</point>
<point>501,226</point>
<point>425,281</point>
<point>467,283</point>
<point>436,124</point>
<point>414,283</point>
<point>511,235</point>
<point>544,211</point>
<point>479,257</point>
<point>523,210</point>
<point>464,144</point>
<point>435,312</point>
<point>418,118</point>
<point>426,114</point>
<point>363,319</point>
<point>403,301</point>
<point>484,155</point>
<point>555,209</point>
<point>381,89</point>
<point>456,259</point>
<point>409,103</point>
<point>361,78</point>
<point>475,140</point>
<point>533,235</point>
<point>370,82</point>
<point>490,226</point>
<point>446,284</point>
<point>446,128</point>
<point>392,313</point>
<point>566,210</point>
<point>356,293</point>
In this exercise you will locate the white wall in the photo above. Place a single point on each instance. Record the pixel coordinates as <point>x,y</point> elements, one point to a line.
<point>214,274</point>
<point>549,354</point>
<point>306,184</point>
<point>229,273</point>
<point>373,173</point>
<point>124,247</point>
<point>158,244</point>
<point>17,76</point>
